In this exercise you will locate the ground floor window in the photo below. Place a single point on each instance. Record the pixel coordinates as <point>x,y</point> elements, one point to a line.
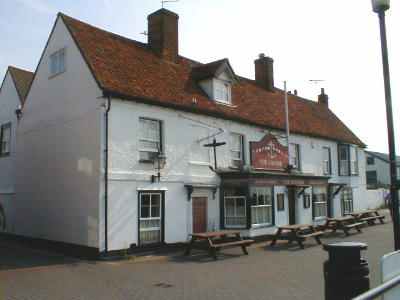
<point>262,209</point>
<point>347,200</point>
<point>319,202</point>
<point>150,206</point>
<point>235,211</point>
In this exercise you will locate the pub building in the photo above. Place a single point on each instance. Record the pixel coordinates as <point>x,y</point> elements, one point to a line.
<point>136,171</point>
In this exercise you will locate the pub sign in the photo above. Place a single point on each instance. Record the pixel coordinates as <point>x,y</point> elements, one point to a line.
<point>269,154</point>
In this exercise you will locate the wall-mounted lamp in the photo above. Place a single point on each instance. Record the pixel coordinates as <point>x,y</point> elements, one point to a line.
<point>18,112</point>
<point>159,164</point>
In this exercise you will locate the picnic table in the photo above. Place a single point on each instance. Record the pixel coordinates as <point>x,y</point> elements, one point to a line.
<point>369,216</point>
<point>216,240</point>
<point>345,223</point>
<point>296,232</point>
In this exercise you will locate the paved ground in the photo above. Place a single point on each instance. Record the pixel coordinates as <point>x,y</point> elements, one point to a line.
<point>280,273</point>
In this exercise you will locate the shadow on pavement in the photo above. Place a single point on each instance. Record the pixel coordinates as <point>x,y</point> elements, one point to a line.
<point>203,257</point>
<point>15,256</point>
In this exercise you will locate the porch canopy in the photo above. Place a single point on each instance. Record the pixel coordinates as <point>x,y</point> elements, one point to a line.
<point>262,178</point>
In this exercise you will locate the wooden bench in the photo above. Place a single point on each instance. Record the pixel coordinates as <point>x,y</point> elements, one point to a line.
<point>214,241</point>
<point>315,234</point>
<point>346,228</point>
<point>296,232</point>
<point>371,220</point>
<point>241,243</point>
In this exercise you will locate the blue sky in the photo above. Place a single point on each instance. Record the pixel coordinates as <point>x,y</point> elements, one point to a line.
<point>337,41</point>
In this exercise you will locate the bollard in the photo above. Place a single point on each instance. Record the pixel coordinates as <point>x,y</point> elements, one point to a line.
<point>346,273</point>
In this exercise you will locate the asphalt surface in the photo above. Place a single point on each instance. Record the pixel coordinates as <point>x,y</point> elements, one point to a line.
<point>282,272</point>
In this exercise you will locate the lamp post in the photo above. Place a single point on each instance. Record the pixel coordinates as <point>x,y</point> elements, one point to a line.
<point>380,6</point>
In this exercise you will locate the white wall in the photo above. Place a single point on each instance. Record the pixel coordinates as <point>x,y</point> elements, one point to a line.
<point>181,133</point>
<point>382,169</point>
<point>59,150</point>
<point>9,102</point>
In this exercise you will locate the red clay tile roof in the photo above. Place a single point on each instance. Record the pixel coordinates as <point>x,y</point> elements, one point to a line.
<point>206,71</point>
<point>22,80</point>
<point>130,70</point>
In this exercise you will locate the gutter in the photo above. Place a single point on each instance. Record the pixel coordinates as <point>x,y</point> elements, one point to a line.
<point>106,175</point>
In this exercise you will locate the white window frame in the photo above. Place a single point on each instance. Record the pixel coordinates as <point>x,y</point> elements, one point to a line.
<point>150,218</point>
<point>234,159</point>
<point>315,194</point>
<point>344,164</point>
<point>235,214</point>
<point>56,64</point>
<point>256,225</point>
<point>146,139</point>
<point>294,149</point>
<point>353,160</point>
<point>5,141</point>
<point>225,89</point>
<point>347,191</point>
<point>327,162</point>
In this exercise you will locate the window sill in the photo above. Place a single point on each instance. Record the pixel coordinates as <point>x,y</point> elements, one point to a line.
<point>199,163</point>
<point>146,161</point>
<point>56,74</point>
<point>260,226</point>
<point>225,104</point>
<point>235,227</point>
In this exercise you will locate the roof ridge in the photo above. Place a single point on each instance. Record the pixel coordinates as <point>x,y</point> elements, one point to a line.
<point>20,69</point>
<point>116,35</point>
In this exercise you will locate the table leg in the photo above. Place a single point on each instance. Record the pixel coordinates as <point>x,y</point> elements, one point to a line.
<point>212,250</point>
<point>276,236</point>
<point>189,247</point>
<point>298,239</point>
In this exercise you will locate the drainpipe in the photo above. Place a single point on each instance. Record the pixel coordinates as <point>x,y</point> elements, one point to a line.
<point>106,175</point>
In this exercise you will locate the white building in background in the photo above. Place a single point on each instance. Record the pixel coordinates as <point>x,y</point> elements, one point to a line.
<point>13,92</point>
<point>103,110</point>
<point>378,169</point>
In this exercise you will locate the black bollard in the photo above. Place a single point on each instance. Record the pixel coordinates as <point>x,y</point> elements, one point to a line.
<point>346,273</point>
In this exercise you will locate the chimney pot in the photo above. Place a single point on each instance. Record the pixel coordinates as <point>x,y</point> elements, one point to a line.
<point>323,98</point>
<point>163,34</point>
<point>264,72</point>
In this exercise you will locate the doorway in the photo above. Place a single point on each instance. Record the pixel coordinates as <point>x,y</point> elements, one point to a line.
<point>292,205</point>
<point>199,214</point>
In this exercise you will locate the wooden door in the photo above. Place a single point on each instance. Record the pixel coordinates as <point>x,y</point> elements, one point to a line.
<point>199,206</point>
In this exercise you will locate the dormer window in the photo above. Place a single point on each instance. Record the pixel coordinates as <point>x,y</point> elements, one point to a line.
<point>216,79</point>
<point>222,91</point>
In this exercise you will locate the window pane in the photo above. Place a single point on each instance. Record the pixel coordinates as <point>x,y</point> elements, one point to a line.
<point>145,212</point>
<point>229,207</point>
<point>235,211</point>
<point>149,130</point>
<point>155,200</point>
<point>145,200</point>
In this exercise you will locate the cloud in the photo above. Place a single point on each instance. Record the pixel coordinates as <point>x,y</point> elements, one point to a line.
<point>39,6</point>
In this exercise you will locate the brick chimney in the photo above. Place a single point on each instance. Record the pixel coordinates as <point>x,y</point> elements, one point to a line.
<point>323,98</point>
<point>264,69</point>
<point>163,34</point>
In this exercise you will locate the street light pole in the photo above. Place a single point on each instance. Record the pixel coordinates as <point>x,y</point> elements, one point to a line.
<point>380,6</point>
